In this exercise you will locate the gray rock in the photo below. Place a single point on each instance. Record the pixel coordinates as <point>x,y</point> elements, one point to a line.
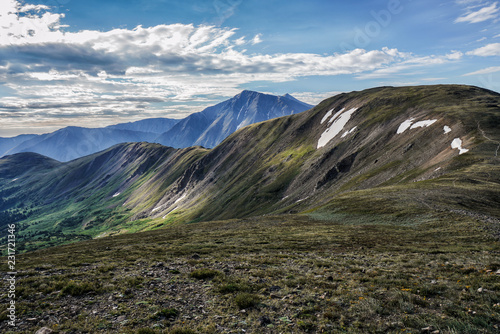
<point>44,330</point>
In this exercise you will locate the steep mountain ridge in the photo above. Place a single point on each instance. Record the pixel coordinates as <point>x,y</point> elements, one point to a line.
<point>389,154</point>
<point>149,125</point>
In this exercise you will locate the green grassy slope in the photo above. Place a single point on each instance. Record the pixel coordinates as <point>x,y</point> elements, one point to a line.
<point>84,198</point>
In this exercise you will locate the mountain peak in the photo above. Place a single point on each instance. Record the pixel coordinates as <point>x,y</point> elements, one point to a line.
<point>245,94</point>
<point>212,125</point>
<point>290,97</point>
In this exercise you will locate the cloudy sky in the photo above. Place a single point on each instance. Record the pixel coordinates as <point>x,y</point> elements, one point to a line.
<point>98,62</point>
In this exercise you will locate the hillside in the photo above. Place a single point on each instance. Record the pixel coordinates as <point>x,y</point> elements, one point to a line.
<point>389,154</point>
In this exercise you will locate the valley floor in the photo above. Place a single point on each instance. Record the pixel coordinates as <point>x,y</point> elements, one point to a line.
<point>282,274</point>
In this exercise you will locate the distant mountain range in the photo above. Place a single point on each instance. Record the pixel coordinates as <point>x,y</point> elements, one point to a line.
<point>383,155</point>
<point>206,128</point>
<point>74,142</point>
<point>7,144</point>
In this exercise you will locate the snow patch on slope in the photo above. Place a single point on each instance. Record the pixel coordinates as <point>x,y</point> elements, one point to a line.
<point>423,124</point>
<point>341,118</point>
<point>337,114</point>
<point>405,125</point>
<point>328,114</point>
<point>180,199</point>
<point>457,144</point>
<point>409,124</point>
<point>168,213</point>
<point>446,129</point>
<point>157,208</point>
<point>348,132</point>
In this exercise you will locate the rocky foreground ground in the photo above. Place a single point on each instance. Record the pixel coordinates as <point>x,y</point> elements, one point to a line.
<point>270,275</point>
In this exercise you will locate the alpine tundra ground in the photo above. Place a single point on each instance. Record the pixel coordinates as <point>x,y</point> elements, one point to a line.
<point>434,273</point>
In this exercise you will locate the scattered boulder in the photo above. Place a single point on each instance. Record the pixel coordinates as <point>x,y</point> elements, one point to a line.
<point>264,320</point>
<point>274,288</point>
<point>158,265</point>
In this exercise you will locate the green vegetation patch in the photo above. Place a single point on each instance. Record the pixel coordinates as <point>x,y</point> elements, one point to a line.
<point>246,300</point>
<point>204,273</point>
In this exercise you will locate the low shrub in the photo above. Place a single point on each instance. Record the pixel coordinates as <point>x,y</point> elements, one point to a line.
<point>204,273</point>
<point>247,300</point>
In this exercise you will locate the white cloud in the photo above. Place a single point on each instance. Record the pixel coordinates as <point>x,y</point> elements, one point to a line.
<point>409,64</point>
<point>454,55</point>
<point>314,97</point>
<point>18,28</point>
<point>468,2</point>
<point>225,9</point>
<point>30,7</point>
<point>483,14</point>
<point>487,50</point>
<point>433,79</point>
<point>488,70</point>
<point>240,41</point>
<point>257,39</point>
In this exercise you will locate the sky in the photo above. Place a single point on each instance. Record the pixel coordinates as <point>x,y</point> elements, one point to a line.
<point>95,63</point>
